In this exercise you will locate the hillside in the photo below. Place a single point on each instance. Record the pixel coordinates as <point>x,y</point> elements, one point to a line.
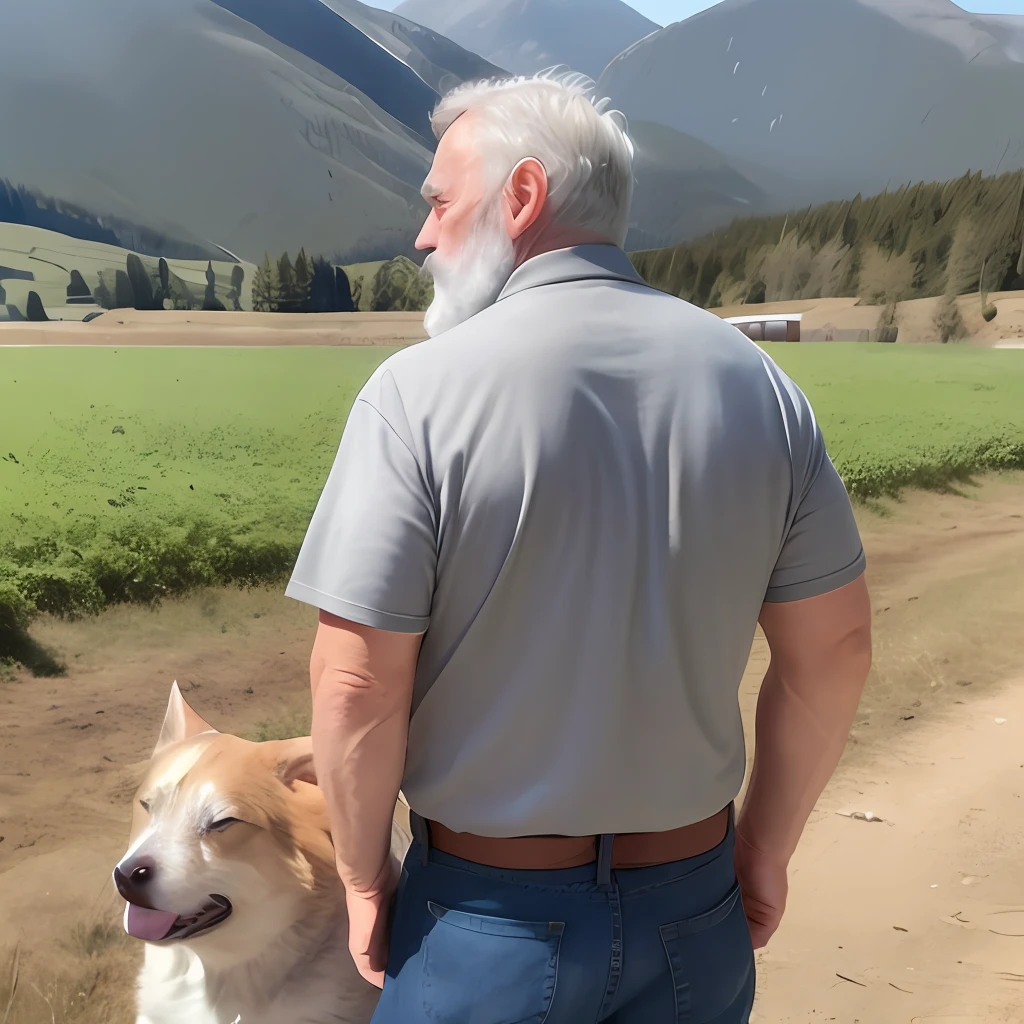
<point>844,97</point>
<point>684,188</point>
<point>947,239</point>
<point>241,124</point>
<point>73,278</point>
<point>524,36</point>
<point>45,275</point>
<point>435,58</point>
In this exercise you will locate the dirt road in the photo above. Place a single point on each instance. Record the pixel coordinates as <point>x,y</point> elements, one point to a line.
<point>176,328</point>
<point>927,755</point>
<point>918,917</point>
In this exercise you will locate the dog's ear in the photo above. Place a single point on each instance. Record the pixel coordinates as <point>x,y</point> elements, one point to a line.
<point>293,760</point>
<point>180,722</point>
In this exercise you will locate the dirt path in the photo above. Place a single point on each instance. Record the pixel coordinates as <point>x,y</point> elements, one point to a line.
<point>922,914</point>
<point>128,328</point>
<point>927,754</point>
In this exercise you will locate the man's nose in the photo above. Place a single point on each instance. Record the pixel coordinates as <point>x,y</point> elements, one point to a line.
<point>427,238</point>
<point>134,878</point>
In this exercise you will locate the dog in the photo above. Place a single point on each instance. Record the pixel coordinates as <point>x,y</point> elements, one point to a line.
<point>230,881</point>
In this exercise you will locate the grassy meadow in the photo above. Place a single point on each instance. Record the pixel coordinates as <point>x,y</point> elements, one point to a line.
<point>130,474</point>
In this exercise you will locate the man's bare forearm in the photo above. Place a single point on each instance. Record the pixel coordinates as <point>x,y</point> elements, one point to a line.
<point>359,744</point>
<point>802,724</point>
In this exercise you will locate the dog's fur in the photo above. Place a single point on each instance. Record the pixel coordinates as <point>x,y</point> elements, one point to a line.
<point>281,956</point>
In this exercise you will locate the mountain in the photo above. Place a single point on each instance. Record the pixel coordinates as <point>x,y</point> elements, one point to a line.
<point>524,36</point>
<point>840,97</point>
<point>436,59</point>
<point>684,188</point>
<point>224,126</point>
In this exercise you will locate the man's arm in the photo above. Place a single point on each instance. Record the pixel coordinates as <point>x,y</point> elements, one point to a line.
<point>362,681</point>
<point>368,564</point>
<point>820,658</point>
<point>816,617</point>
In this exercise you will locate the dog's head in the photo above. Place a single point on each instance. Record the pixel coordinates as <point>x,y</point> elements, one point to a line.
<point>230,844</point>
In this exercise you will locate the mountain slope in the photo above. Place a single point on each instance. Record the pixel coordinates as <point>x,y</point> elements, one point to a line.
<point>842,97</point>
<point>239,124</point>
<point>684,188</point>
<point>439,62</point>
<point>525,36</point>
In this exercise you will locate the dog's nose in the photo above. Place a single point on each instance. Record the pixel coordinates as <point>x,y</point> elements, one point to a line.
<point>134,878</point>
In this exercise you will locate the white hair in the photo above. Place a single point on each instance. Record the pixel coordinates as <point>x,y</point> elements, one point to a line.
<point>552,117</point>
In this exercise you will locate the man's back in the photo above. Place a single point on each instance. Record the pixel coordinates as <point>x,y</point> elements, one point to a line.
<point>615,481</point>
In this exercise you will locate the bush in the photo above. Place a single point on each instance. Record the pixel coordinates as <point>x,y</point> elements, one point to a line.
<point>16,645</point>
<point>400,285</point>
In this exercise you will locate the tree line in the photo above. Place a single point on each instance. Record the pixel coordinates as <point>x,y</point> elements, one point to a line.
<point>305,286</point>
<point>930,239</point>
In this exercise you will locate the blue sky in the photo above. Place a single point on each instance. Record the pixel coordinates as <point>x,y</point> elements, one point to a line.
<point>665,11</point>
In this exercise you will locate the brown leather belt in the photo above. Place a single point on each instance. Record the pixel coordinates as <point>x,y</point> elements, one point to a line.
<point>549,853</point>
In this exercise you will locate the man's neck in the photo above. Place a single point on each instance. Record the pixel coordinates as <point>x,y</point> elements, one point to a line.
<point>555,236</point>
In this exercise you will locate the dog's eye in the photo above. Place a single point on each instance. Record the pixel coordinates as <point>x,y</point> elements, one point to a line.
<point>221,824</point>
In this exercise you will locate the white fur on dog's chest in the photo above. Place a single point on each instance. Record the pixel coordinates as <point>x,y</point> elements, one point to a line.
<point>174,988</point>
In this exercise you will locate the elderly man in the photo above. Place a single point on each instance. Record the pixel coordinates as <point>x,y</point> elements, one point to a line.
<point>540,557</point>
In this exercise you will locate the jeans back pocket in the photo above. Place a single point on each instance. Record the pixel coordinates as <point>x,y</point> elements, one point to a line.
<point>711,958</point>
<point>489,970</point>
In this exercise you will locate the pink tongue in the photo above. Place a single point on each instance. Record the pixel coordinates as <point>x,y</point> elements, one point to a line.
<point>150,925</point>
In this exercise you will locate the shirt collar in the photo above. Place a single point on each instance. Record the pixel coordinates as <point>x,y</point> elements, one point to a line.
<point>576,263</point>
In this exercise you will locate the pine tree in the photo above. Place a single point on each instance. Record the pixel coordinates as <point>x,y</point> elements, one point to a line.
<point>303,279</point>
<point>343,292</point>
<point>210,301</point>
<point>163,293</point>
<point>237,277</point>
<point>323,289</point>
<point>286,285</point>
<point>265,289</point>
<point>124,297</point>
<point>142,287</point>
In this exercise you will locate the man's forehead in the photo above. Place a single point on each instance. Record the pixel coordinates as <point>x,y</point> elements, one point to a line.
<point>454,156</point>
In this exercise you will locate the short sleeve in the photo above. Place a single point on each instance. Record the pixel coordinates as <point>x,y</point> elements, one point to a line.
<point>370,553</point>
<point>822,549</point>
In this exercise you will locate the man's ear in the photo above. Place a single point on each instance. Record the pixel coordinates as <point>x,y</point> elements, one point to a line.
<point>293,760</point>
<point>526,195</point>
<point>180,722</point>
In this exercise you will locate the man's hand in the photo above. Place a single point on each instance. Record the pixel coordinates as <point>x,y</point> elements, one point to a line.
<point>764,885</point>
<point>369,925</point>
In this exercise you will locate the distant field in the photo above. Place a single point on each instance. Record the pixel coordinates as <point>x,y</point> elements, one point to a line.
<point>127,474</point>
<point>912,415</point>
<point>130,473</point>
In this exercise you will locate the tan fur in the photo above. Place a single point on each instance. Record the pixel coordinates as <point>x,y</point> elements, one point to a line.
<point>282,955</point>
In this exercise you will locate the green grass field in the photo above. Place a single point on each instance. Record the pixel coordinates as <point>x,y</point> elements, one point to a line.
<point>896,416</point>
<point>135,473</point>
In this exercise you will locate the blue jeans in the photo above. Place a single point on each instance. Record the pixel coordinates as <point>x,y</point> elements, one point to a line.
<point>479,945</point>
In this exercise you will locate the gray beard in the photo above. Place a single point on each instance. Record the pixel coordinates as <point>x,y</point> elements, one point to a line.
<point>472,280</point>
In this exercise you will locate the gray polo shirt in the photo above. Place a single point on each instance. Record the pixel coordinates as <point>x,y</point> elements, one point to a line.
<point>583,495</point>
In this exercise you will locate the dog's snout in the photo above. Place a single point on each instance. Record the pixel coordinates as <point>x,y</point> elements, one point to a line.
<point>133,879</point>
